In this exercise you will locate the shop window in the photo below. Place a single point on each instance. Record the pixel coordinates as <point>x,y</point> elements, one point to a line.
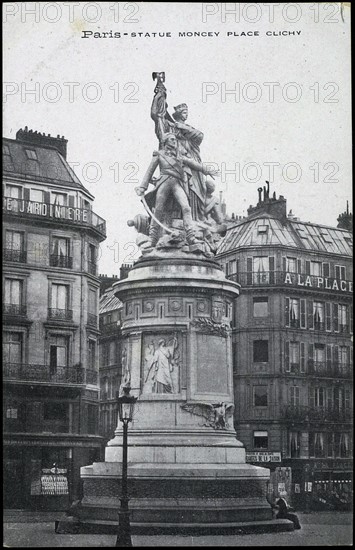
<point>260,396</point>
<point>260,307</point>
<point>261,440</point>
<point>261,351</point>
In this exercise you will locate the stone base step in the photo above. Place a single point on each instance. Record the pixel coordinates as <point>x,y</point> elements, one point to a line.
<point>70,525</point>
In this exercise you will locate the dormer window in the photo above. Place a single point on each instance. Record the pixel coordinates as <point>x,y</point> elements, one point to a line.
<point>6,150</point>
<point>31,154</point>
<point>262,229</point>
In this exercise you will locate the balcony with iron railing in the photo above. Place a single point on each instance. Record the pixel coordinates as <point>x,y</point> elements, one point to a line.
<point>43,373</point>
<point>303,413</point>
<point>287,279</point>
<point>14,255</point>
<point>27,209</point>
<point>14,310</point>
<point>55,314</point>
<point>24,372</point>
<point>56,260</point>
<point>319,369</point>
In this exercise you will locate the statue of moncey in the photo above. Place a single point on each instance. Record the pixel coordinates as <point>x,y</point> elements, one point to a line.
<point>183,217</point>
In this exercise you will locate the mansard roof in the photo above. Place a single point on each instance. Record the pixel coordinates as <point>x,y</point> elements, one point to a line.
<point>265,230</point>
<point>47,165</point>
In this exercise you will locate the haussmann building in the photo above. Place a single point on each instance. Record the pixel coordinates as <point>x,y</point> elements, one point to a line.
<point>51,237</point>
<point>292,345</point>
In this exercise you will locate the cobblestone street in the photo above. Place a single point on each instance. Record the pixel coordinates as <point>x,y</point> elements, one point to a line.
<point>30,530</point>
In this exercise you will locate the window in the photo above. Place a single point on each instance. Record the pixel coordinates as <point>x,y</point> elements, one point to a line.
<point>261,351</point>
<point>6,150</point>
<point>319,355</point>
<point>14,240</point>
<point>11,412</point>
<point>12,347</point>
<point>92,254</point>
<point>318,315</point>
<point>92,419</point>
<point>294,355</point>
<point>340,272</point>
<point>60,296</point>
<point>232,270</point>
<point>14,246</point>
<point>315,268</point>
<point>260,396</point>
<point>343,316</point>
<point>260,307</point>
<point>92,301</point>
<point>344,357</point>
<point>14,191</point>
<point>260,269</point>
<point>294,396</point>
<point>58,351</point>
<point>292,312</point>
<point>294,444</point>
<point>291,265</point>
<point>60,253</point>
<point>13,292</point>
<point>317,398</point>
<point>317,445</point>
<point>91,354</point>
<point>261,440</point>
<point>112,353</point>
<point>37,195</point>
<point>31,154</point>
<point>59,199</point>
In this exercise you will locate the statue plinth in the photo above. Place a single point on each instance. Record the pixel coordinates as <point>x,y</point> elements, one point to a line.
<point>187,470</point>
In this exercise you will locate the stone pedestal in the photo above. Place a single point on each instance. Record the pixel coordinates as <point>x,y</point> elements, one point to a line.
<point>187,470</point>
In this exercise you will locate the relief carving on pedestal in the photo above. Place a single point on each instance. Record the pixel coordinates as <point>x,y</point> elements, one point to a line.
<point>208,326</point>
<point>216,414</point>
<point>161,364</point>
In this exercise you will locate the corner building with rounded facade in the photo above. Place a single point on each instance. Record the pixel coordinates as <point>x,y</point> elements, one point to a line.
<point>51,237</point>
<point>292,350</point>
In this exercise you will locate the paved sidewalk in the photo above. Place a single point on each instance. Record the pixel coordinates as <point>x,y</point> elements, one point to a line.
<point>31,530</point>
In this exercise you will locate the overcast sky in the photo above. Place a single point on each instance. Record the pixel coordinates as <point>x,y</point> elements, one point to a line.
<point>293,105</point>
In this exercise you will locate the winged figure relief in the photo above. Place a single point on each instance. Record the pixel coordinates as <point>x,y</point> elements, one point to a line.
<point>217,415</point>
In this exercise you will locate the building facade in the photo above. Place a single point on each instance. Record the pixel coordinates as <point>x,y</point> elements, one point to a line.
<point>292,348</point>
<point>50,324</point>
<point>110,360</point>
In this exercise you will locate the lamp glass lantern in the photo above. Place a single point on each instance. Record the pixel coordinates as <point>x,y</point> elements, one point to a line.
<point>126,404</point>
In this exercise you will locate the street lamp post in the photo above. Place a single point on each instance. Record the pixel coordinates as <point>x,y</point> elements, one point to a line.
<point>126,404</point>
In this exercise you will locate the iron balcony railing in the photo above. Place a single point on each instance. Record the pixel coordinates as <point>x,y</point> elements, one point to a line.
<point>43,210</point>
<point>302,413</point>
<point>60,314</point>
<point>320,369</point>
<point>285,278</point>
<point>14,255</point>
<point>56,260</point>
<point>48,373</point>
<point>43,373</point>
<point>14,309</point>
